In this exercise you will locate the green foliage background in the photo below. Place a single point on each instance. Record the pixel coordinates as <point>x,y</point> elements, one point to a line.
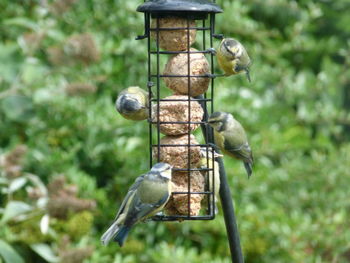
<point>296,111</point>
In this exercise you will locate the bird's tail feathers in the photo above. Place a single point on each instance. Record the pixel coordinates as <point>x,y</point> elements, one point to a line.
<point>122,235</point>
<point>110,233</point>
<point>247,73</point>
<point>249,168</point>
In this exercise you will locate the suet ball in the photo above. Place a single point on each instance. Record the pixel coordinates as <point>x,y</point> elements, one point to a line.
<point>174,111</point>
<point>178,204</point>
<point>173,40</point>
<point>178,65</point>
<point>176,155</point>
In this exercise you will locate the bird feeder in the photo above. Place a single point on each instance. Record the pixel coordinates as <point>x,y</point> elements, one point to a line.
<point>172,28</point>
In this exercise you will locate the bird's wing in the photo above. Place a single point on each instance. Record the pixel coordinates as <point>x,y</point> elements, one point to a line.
<point>242,151</point>
<point>243,62</point>
<point>138,210</point>
<point>148,209</point>
<point>238,67</point>
<point>130,193</point>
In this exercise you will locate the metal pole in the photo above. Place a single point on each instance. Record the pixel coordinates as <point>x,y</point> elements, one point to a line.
<point>229,215</point>
<point>225,196</point>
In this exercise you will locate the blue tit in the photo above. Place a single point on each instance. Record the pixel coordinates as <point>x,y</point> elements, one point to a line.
<point>233,57</point>
<point>148,195</point>
<point>207,162</point>
<point>231,138</point>
<point>132,103</point>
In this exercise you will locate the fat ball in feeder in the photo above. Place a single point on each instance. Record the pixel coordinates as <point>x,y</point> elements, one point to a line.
<point>177,65</point>
<point>174,150</point>
<point>173,40</point>
<point>178,203</point>
<point>175,109</point>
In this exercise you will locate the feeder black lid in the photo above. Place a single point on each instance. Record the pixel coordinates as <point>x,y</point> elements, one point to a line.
<point>162,8</point>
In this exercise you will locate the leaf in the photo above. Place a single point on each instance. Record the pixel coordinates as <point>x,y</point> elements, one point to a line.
<point>45,252</point>
<point>21,21</point>
<point>9,254</point>
<point>44,224</point>
<point>18,108</point>
<point>11,61</point>
<point>13,209</point>
<point>17,184</point>
<point>37,182</point>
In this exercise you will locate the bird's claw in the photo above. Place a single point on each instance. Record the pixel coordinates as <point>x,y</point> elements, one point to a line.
<point>212,51</point>
<point>214,146</point>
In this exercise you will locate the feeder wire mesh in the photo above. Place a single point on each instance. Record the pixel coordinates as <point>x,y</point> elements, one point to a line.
<point>154,81</point>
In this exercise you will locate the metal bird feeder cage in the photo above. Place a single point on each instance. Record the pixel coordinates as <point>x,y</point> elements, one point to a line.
<point>189,11</point>
<point>203,13</point>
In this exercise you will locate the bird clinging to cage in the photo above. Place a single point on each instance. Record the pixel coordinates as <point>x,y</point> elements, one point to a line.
<point>233,57</point>
<point>230,136</point>
<point>132,103</point>
<point>148,195</point>
<point>208,162</point>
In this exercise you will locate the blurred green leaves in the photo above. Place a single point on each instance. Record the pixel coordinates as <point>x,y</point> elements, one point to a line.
<point>45,252</point>
<point>9,254</point>
<point>18,108</point>
<point>13,209</point>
